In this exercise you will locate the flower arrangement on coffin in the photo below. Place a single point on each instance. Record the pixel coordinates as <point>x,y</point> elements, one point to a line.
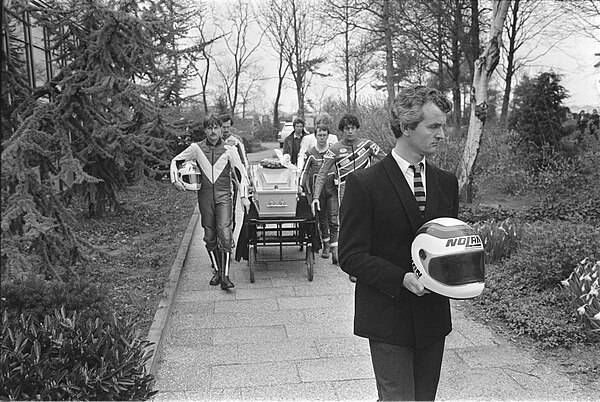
<point>584,285</point>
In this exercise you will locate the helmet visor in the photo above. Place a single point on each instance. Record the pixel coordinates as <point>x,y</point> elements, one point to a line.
<point>458,269</point>
<point>191,178</point>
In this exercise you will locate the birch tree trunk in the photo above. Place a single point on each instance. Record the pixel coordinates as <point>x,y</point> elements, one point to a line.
<point>484,68</point>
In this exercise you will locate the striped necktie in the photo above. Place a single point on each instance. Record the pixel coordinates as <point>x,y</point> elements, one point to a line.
<point>419,189</point>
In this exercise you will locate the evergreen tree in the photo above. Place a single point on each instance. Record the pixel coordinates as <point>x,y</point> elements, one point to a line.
<point>536,116</point>
<point>96,118</point>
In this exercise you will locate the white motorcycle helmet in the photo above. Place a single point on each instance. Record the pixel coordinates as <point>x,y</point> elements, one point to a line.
<point>448,258</point>
<point>189,175</point>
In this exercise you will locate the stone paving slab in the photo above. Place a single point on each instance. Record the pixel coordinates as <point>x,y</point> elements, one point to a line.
<point>286,338</point>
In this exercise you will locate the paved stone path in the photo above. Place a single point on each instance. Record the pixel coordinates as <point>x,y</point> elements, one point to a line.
<point>285,338</point>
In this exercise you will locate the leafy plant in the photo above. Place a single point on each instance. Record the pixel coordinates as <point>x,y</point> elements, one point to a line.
<point>499,238</point>
<point>584,285</point>
<point>63,358</point>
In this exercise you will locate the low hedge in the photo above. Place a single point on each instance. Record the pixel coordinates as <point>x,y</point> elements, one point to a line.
<point>34,295</point>
<point>64,358</point>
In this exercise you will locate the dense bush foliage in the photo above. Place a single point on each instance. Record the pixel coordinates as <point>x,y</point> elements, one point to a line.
<point>480,213</point>
<point>38,297</point>
<point>549,252</point>
<point>64,358</point>
<point>570,189</point>
<point>265,132</point>
<point>524,290</point>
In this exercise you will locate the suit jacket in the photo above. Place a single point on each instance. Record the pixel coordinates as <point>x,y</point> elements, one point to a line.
<point>291,146</point>
<point>379,217</point>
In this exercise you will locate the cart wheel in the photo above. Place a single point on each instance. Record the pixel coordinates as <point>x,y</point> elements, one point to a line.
<point>310,262</point>
<point>252,262</point>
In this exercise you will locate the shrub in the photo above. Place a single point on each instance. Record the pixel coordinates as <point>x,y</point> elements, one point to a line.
<point>584,285</point>
<point>265,132</point>
<point>36,296</point>
<point>479,213</point>
<point>499,239</point>
<point>547,252</point>
<point>63,358</point>
<point>524,290</point>
<point>498,168</point>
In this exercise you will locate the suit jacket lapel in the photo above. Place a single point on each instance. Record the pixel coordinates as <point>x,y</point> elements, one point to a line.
<point>406,196</point>
<point>431,203</point>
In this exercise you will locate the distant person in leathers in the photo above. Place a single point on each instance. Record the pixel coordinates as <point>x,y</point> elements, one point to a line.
<point>406,324</point>
<point>291,143</point>
<point>310,140</point>
<point>328,215</point>
<point>345,156</point>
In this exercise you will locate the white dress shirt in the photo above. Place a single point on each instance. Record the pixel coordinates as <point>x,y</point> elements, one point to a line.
<point>409,174</point>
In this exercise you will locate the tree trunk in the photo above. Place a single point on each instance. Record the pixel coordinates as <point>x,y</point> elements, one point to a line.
<point>276,108</point>
<point>455,68</point>
<point>473,50</point>
<point>389,55</point>
<point>510,63</point>
<point>440,53</point>
<point>484,68</point>
<point>281,76</point>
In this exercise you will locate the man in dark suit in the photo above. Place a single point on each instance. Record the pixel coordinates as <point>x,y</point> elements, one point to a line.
<point>405,323</point>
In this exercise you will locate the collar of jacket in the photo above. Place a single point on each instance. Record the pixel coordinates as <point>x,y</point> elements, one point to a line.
<point>219,141</point>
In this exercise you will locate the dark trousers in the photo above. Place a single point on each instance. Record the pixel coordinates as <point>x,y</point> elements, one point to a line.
<point>405,373</point>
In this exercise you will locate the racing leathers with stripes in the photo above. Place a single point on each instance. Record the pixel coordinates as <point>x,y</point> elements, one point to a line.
<point>343,158</point>
<point>328,216</point>
<point>218,163</point>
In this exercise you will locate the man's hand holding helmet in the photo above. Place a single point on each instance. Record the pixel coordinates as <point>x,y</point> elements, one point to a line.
<point>412,283</point>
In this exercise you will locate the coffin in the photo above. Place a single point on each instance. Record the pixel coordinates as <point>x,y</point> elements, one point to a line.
<point>275,191</point>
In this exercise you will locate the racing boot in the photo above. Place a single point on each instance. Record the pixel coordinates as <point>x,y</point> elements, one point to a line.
<point>214,263</point>
<point>334,256</point>
<point>326,247</point>
<point>225,264</point>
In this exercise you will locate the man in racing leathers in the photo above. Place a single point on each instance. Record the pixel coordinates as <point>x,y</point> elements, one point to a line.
<point>344,157</point>
<point>233,141</point>
<point>328,217</point>
<point>218,164</point>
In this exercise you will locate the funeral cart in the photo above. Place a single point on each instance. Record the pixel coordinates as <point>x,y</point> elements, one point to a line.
<point>278,217</point>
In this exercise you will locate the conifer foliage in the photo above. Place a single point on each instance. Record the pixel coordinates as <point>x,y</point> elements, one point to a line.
<point>536,116</point>
<point>94,127</point>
